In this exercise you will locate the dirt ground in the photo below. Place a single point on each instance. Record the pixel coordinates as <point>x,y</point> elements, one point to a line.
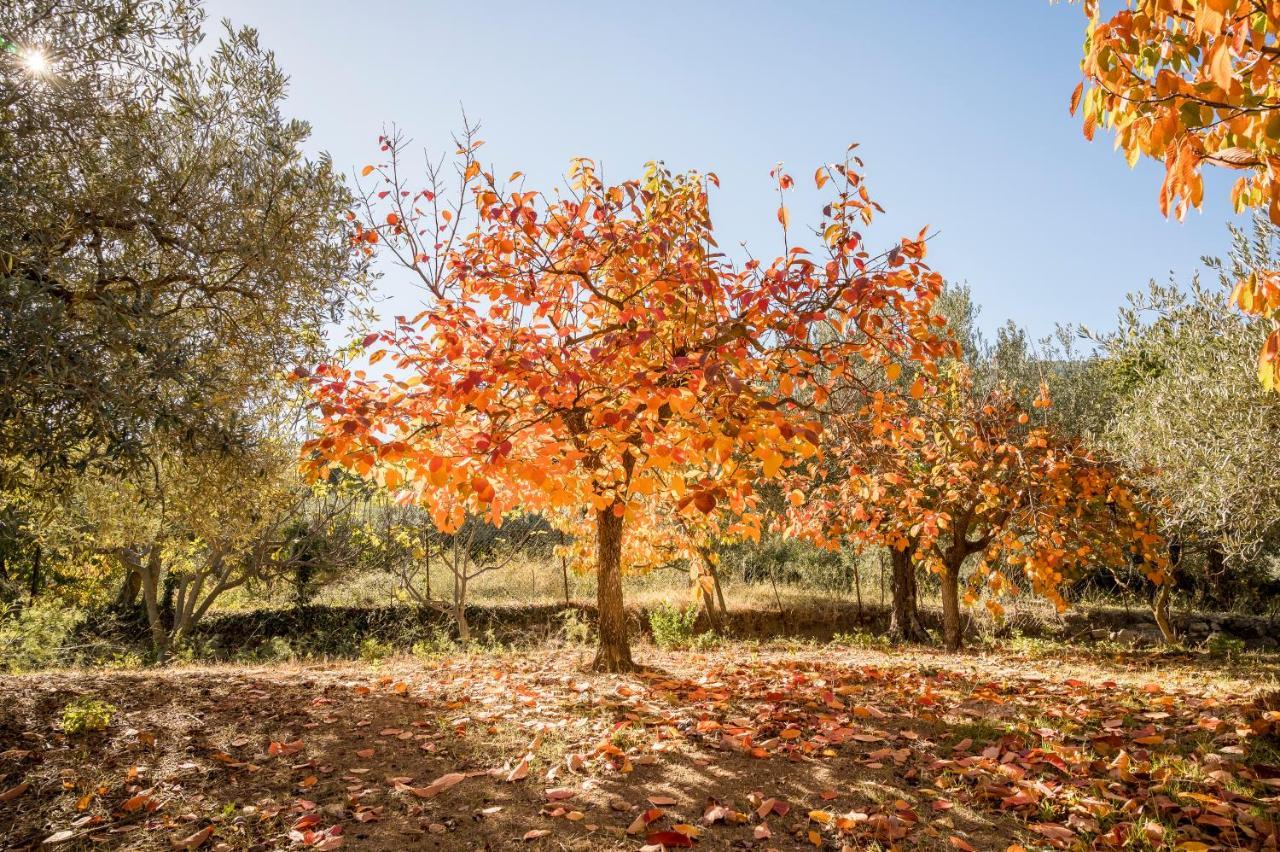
<point>745,747</point>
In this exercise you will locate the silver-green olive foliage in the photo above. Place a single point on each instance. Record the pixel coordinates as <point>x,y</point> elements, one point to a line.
<point>166,249</point>
<point>1190,416</point>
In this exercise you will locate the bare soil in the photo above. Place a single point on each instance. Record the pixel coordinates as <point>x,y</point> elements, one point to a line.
<point>745,747</point>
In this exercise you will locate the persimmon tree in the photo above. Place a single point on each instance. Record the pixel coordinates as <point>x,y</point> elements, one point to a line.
<point>953,471</point>
<point>1195,83</point>
<point>588,353</point>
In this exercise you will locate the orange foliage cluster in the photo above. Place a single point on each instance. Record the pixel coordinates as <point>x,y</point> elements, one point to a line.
<point>593,352</point>
<point>1195,82</point>
<point>956,473</point>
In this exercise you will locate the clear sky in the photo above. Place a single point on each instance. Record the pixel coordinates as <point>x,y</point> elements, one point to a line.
<point>960,107</point>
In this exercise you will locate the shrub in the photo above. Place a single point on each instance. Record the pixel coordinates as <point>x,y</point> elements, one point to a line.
<point>1222,645</point>
<point>373,651</point>
<point>275,649</point>
<point>86,714</point>
<point>35,637</point>
<point>574,628</point>
<point>437,642</point>
<point>672,627</point>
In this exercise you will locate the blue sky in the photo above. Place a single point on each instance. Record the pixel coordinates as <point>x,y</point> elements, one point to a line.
<point>960,109</point>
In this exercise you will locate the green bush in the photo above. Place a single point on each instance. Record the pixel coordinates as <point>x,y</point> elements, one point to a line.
<point>436,643</point>
<point>35,637</point>
<point>672,627</point>
<point>863,639</point>
<point>1222,645</point>
<point>373,651</point>
<point>86,714</point>
<point>574,628</point>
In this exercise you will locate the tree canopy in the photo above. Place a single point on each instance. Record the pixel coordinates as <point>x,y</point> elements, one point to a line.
<point>166,249</point>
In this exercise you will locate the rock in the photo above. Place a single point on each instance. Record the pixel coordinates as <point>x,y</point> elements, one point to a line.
<point>1136,637</point>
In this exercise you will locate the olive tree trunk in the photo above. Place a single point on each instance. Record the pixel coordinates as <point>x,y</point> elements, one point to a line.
<point>1164,595</point>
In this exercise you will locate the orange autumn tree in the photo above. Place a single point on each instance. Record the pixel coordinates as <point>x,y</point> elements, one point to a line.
<point>954,471</point>
<point>1195,83</point>
<point>590,355</point>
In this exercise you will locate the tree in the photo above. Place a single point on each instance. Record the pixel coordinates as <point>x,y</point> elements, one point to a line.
<point>474,549</point>
<point>591,354</point>
<point>1194,83</point>
<point>166,250</point>
<point>1191,423</point>
<point>957,470</point>
<point>204,525</point>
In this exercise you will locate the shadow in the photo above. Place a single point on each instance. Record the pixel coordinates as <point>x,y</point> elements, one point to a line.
<point>478,751</point>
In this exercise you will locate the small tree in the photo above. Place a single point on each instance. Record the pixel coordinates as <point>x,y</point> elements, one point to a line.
<point>962,472</point>
<point>592,354</point>
<point>475,549</point>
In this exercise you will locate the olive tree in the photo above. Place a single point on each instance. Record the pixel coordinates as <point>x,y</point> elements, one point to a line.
<point>1191,418</point>
<point>166,249</point>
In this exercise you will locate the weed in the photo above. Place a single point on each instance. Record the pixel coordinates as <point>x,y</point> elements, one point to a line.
<point>1222,645</point>
<point>863,639</point>
<point>672,627</point>
<point>574,628</point>
<point>373,651</point>
<point>708,641</point>
<point>87,714</point>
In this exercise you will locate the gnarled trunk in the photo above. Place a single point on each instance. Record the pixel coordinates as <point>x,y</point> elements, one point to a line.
<point>614,652</point>
<point>713,598</point>
<point>149,572</point>
<point>904,618</point>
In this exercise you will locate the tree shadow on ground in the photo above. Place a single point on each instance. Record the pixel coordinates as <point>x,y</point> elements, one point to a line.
<point>461,753</point>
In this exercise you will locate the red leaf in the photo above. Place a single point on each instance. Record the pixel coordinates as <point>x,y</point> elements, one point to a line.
<point>669,839</point>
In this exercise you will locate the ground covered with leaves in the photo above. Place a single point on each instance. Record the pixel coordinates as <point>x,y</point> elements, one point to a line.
<point>746,746</point>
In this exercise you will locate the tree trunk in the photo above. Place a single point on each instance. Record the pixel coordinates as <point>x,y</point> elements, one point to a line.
<point>904,619</point>
<point>951,627</point>
<point>130,588</point>
<point>150,574</point>
<point>564,573</point>
<point>1160,609</point>
<point>460,579</point>
<point>614,653</point>
<point>712,599</point>
<point>36,577</point>
<point>460,620</point>
<point>857,583</point>
<point>1164,593</point>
